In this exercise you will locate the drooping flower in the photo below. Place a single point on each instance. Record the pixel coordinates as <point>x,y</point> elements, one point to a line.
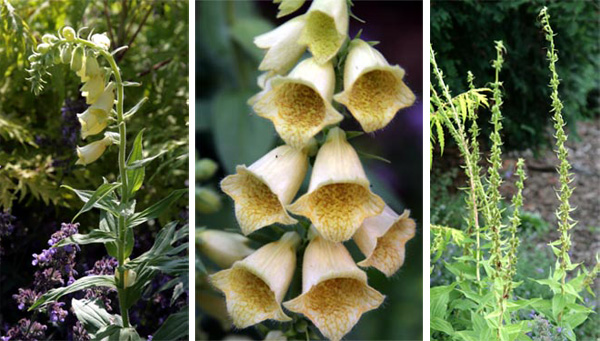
<point>262,190</point>
<point>299,105</point>
<point>101,40</point>
<point>90,68</point>
<point>339,197</point>
<point>373,90</point>
<point>95,119</point>
<point>335,292</point>
<point>382,240</point>
<point>254,287</point>
<point>283,49</point>
<point>326,28</point>
<point>223,248</point>
<point>288,6</point>
<point>92,152</point>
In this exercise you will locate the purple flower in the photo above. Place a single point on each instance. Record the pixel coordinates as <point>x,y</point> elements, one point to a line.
<point>56,312</point>
<point>26,330</point>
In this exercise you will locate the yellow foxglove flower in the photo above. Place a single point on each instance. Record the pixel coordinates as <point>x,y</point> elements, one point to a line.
<point>90,69</point>
<point>254,287</point>
<point>283,49</point>
<point>299,105</point>
<point>262,190</point>
<point>95,119</point>
<point>339,197</point>
<point>373,90</point>
<point>93,88</point>
<point>288,6</point>
<point>101,40</point>
<point>326,28</point>
<point>92,152</point>
<point>223,248</point>
<point>382,240</point>
<point>335,292</point>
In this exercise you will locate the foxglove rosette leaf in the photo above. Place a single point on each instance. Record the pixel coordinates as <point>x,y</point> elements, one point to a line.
<point>95,119</point>
<point>255,287</point>
<point>92,152</point>
<point>326,28</point>
<point>374,90</point>
<point>335,292</point>
<point>262,190</point>
<point>382,240</point>
<point>299,104</point>
<point>283,49</point>
<point>223,248</point>
<point>339,197</point>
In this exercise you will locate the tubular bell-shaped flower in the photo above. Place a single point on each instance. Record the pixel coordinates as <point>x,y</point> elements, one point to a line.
<point>339,197</point>
<point>299,105</point>
<point>95,119</point>
<point>382,239</point>
<point>373,90</point>
<point>92,152</point>
<point>326,28</point>
<point>262,190</point>
<point>283,49</point>
<point>223,248</point>
<point>254,287</point>
<point>335,292</point>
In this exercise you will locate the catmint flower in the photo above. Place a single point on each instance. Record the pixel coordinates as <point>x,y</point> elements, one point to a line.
<point>382,239</point>
<point>26,330</point>
<point>254,287</point>
<point>299,104</point>
<point>335,292</point>
<point>101,40</point>
<point>326,28</point>
<point>56,312</point>
<point>283,49</point>
<point>223,248</point>
<point>69,33</point>
<point>288,6</point>
<point>262,190</point>
<point>373,90</point>
<point>339,197</point>
<point>95,119</point>
<point>92,152</point>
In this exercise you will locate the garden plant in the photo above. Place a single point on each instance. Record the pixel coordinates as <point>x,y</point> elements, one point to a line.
<point>480,302</point>
<point>290,252</point>
<point>123,280</point>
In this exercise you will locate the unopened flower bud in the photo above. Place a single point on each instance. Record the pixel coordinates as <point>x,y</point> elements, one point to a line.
<point>339,197</point>
<point>335,292</point>
<point>49,38</point>
<point>92,152</point>
<point>43,48</point>
<point>223,248</point>
<point>299,104</point>
<point>382,240</point>
<point>101,40</point>
<point>254,287</point>
<point>326,28</point>
<point>262,190</point>
<point>65,54</point>
<point>205,169</point>
<point>129,277</point>
<point>77,59</point>
<point>373,90</point>
<point>69,33</point>
<point>207,200</point>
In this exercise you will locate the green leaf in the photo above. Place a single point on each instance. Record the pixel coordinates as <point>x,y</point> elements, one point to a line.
<point>95,236</point>
<point>135,177</point>
<point>99,194</point>
<point>117,333</point>
<point>442,325</point>
<point>105,203</point>
<point>80,284</point>
<point>93,316</point>
<point>239,137</point>
<point>244,31</point>
<point>175,327</point>
<point>157,209</point>
<point>145,161</point>
<point>108,223</point>
<point>439,297</point>
<point>137,106</point>
<point>559,302</point>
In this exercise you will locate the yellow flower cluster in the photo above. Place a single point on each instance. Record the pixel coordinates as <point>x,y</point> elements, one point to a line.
<point>99,95</point>
<point>339,202</point>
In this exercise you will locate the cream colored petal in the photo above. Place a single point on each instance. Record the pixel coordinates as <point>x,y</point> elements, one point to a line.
<point>223,248</point>
<point>93,88</point>
<point>326,28</point>
<point>93,122</point>
<point>283,48</point>
<point>382,240</point>
<point>92,152</point>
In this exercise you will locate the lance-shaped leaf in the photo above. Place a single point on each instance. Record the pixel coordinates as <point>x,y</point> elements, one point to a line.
<point>80,284</point>
<point>145,161</point>
<point>102,191</point>
<point>175,327</point>
<point>117,333</point>
<point>137,106</point>
<point>108,223</point>
<point>95,236</point>
<point>135,177</point>
<point>106,203</point>
<point>93,316</point>
<point>157,209</point>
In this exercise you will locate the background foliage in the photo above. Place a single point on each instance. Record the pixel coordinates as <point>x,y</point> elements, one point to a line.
<point>461,31</point>
<point>226,132</point>
<point>38,134</point>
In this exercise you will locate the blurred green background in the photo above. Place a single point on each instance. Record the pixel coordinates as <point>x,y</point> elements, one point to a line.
<point>228,132</point>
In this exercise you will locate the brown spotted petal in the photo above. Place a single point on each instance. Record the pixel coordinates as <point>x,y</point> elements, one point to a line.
<point>335,292</point>
<point>254,287</point>
<point>339,197</point>
<point>262,190</point>
<point>382,240</point>
<point>374,91</point>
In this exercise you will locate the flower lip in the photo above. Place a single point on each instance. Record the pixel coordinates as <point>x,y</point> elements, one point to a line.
<point>326,28</point>
<point>283,49</point>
